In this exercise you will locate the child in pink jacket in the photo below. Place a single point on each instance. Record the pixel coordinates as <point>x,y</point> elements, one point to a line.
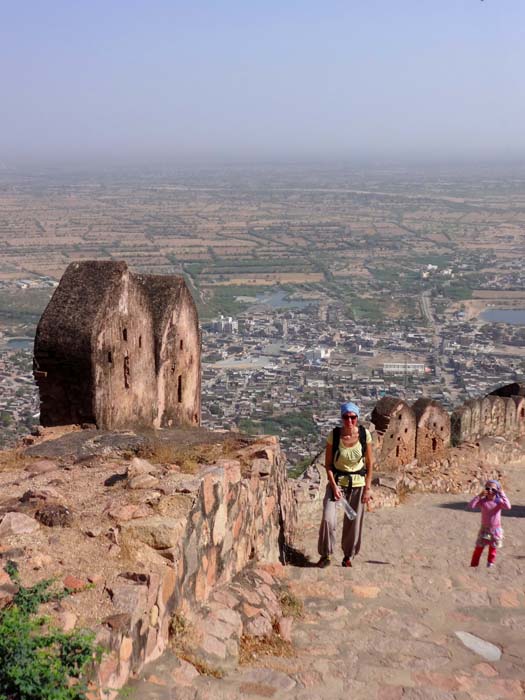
<point>491,501</point>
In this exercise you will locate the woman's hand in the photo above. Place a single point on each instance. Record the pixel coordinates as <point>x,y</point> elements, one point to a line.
<point>366,496</point>
<point>338,494</point>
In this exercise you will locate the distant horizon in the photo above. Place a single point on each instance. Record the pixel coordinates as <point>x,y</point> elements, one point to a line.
<point>367,162</point>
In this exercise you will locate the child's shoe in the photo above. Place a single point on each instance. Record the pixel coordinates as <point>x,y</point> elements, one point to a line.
<point>490,564</point>
<point>323,562</point>
<point>347,562</point>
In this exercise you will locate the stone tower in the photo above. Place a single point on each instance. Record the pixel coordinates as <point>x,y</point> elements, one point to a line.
<point>432,430</point>
<point>395,424</point>
<point>118,350</point>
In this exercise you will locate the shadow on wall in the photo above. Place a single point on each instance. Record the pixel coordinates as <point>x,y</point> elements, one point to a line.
<point>515,512</point>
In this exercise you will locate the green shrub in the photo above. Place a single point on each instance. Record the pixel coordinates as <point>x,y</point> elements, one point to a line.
<point>38,661</point>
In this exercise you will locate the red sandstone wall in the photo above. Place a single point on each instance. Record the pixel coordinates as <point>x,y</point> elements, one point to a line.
<point>237,514</point>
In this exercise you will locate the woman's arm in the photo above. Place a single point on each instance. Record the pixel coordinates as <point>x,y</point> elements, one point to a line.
<point>369,461</point>
<point>329,473</point>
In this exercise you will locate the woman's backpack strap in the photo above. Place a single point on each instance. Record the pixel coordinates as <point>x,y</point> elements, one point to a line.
<point>336,437</point>
<point>362,439</point>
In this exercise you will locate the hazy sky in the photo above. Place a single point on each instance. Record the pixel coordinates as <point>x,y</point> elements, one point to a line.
<point>262,78</point>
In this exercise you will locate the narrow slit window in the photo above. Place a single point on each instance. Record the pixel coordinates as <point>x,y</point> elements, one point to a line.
<point>110,357</point>
<point>140,341</point>
<point>125,334</point>
<point>179,388</point>
<point>181,345</point>
<point>126,372</point>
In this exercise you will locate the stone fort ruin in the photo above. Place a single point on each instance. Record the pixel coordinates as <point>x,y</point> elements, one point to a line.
<point>118,350</point>
<point>425,431</point>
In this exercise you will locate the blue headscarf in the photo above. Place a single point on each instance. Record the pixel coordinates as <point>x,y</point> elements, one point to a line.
<point>349,407</point>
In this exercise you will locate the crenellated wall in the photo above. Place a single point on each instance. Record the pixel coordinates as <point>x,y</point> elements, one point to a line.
<point>501,413</point>
<point>425,431</point>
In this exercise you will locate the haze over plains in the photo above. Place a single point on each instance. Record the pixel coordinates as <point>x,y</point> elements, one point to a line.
<point>266,80</point>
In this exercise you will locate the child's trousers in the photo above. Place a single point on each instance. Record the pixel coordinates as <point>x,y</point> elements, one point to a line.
<point>476,555</point>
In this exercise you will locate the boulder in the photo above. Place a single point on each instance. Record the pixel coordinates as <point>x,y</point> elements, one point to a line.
<point>138,466</point>
<point>17,524</point>
<point>143,481</point>
<point>157,531</point>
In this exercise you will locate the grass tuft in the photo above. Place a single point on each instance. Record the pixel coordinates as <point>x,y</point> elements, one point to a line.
<point>291,605</point>
<point>253,648</point>
<point>189,457</point>
<point>12,459</point>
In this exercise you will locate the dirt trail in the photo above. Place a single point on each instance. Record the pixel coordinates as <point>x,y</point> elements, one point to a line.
<point>386,629</point>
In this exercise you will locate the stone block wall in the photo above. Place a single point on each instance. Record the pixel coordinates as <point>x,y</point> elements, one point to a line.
<point>425,431</point>
<point>228,516</point>
<point>520,414</point>
<point>475,419</point>
<point>500,413</point>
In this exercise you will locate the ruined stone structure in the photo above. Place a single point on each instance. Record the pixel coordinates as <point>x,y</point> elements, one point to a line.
<point>118,350</point>
<point>475,419</point>
<point>432,430</point>
<point>514,397</point>
<point>501,413</point>
<point>395,424</point>
<point>426,431</point>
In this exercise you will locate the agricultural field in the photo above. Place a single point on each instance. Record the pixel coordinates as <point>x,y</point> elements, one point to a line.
<point>335,233</point>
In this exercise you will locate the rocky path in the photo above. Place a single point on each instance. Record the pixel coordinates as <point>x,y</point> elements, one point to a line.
<point>411,620</point>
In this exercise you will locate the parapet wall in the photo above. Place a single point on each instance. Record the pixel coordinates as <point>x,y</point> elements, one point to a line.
<point>493,415</point>
<point>236,517</point>
<point>425,431</point>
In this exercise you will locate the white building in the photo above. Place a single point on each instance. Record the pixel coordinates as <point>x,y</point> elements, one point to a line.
<point>400,368</point>
<point>226,324</point>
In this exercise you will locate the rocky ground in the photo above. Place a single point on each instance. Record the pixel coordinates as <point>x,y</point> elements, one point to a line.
<point>72,505</point>
<point>410,621</point>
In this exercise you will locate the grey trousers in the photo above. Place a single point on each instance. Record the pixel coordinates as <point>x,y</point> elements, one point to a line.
<point>352,529</point>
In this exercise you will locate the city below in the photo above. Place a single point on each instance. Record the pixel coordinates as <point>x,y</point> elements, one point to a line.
<point>312,286</point>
